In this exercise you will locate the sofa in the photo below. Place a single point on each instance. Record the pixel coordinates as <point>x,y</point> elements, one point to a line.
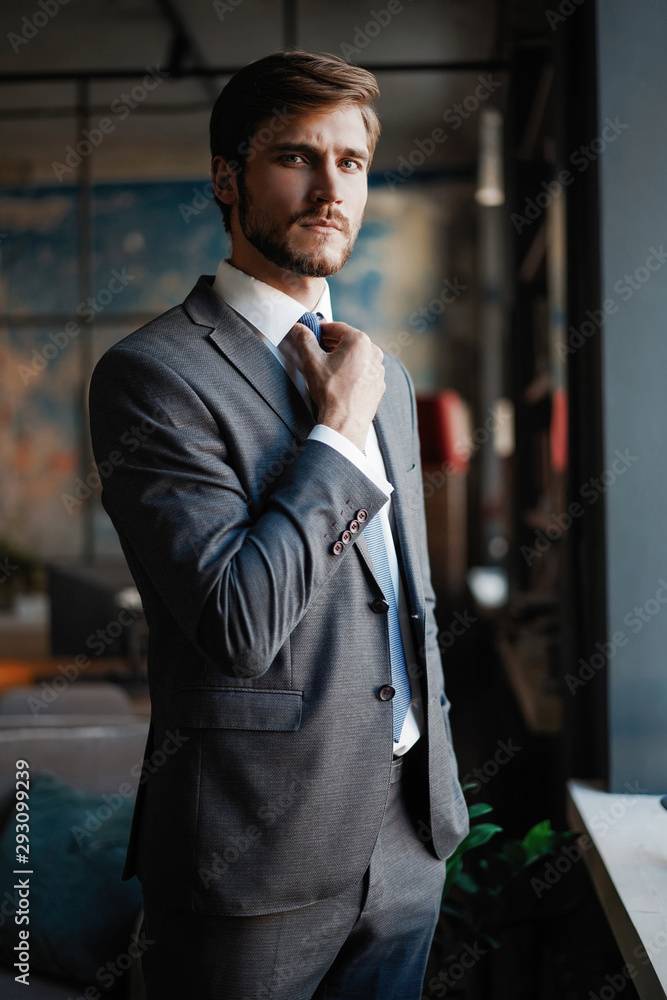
<point>91,740</point>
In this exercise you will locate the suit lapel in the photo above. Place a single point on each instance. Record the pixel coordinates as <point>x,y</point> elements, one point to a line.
<point>238,343</point>
<point>234,338</point>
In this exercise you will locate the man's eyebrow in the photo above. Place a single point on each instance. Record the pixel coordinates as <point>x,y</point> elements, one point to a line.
<point>358,154</point>
<point>306,147</point>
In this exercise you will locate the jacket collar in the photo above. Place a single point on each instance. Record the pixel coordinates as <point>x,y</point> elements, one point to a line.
<point>233,337</point>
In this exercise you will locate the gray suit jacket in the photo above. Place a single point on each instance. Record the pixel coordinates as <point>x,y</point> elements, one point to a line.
<point>268,761</point>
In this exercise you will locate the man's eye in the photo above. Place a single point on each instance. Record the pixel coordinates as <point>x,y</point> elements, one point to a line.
<point>351,165</point>
<point>291,158</point>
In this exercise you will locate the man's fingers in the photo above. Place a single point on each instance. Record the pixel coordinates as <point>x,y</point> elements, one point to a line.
<point>337,328</point>
<point>303,339</point>
<point>333,333</point>
<point>303,342</point>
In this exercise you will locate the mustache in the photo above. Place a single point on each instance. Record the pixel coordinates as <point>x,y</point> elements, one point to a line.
<point>311,216</point>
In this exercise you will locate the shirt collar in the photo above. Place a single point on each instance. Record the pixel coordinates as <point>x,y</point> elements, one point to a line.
<point>269,310</point>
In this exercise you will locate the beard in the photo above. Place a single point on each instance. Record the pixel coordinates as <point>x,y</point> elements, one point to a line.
<point>272,241</point>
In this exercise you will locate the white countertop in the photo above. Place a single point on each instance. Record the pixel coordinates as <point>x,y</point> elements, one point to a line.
<point>626,853</point>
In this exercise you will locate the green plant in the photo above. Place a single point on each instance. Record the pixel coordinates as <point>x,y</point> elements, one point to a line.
<point>476,902</point>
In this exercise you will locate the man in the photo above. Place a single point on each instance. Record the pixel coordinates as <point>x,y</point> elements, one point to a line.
<point>292,842</point>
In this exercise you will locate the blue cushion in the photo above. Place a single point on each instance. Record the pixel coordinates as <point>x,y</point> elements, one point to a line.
<point>81,914</point>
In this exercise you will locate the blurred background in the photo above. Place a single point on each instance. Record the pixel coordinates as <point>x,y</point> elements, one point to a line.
<point>511,257</point>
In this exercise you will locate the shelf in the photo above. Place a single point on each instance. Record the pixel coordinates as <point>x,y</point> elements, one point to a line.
<point>526,667</point>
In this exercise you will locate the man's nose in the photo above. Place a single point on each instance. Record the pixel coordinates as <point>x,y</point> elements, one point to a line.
<point>326,186</point>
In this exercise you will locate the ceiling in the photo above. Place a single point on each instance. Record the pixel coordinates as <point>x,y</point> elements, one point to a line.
<point>166,133</point>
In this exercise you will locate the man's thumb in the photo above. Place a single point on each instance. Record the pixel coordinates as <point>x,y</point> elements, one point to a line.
<point>304,340</point>
<point>300,347</point>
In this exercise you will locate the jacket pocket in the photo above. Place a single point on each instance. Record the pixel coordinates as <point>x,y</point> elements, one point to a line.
<point>239,708</point>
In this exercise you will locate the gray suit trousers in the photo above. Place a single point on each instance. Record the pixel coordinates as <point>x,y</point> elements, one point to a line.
<point>372,941</point>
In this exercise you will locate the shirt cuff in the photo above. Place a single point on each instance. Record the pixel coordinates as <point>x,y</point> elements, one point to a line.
<point>343,445</point>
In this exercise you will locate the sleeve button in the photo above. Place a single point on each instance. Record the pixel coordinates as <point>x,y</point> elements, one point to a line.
<point>353,526</point>
<point>362,515</point>
<point>345,537</point>
<point>337,548</point>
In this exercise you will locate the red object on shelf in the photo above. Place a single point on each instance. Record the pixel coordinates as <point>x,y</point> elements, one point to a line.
<point>443,431</point>
<point>558,430</point>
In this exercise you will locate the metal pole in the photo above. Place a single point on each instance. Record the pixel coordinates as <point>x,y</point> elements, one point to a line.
<point>87,332</point>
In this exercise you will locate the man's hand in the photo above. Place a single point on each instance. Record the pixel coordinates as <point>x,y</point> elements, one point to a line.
<point>346,384</point>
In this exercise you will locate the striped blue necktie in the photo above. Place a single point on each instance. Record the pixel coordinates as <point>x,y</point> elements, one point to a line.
<point>312,321</point>
<point>378,550</point>
<point>399,672</point>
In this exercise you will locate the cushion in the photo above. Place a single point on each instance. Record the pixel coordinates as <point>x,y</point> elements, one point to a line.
<point>81,914</point>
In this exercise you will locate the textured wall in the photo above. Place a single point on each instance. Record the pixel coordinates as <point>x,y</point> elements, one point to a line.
<point>150,243</point>
<point>633,167</point>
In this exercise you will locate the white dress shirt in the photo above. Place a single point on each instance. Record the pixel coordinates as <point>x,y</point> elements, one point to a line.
<point>272,314</point>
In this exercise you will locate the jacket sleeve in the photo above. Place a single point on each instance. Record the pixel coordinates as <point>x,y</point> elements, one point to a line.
<point>236,585</point>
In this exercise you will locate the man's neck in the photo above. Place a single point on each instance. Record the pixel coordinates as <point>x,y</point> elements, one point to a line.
<point>305,290</point>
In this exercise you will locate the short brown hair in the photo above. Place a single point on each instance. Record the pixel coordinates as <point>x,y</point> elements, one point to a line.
<point>282,85</point>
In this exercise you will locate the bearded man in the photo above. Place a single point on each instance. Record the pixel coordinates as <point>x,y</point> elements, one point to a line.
<point>294,845</point>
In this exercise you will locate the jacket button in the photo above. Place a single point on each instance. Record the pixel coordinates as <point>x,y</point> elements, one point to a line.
<point>386,692</point>
<point>379,606</point>
<point>353,526</point>
<point>345,537</point>
<point>337,548</point>
<point>362,515</point>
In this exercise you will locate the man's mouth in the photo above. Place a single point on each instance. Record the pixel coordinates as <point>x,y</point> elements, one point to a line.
<point>322,225</point>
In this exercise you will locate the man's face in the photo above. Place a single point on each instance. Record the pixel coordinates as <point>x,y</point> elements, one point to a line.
<point>301,197</point>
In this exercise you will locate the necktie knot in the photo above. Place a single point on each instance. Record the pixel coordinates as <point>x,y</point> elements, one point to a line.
<point>312,321</point>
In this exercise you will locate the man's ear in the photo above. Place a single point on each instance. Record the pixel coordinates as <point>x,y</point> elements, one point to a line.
<point>223,178</point>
